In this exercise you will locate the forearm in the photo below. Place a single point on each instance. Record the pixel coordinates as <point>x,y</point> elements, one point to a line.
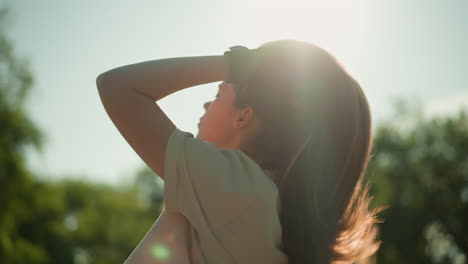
<point>159,78</point>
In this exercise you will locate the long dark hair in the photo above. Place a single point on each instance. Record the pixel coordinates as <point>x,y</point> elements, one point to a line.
<point>297,91</point>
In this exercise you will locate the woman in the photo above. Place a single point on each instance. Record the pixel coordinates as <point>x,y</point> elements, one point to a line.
<point>274,174</point>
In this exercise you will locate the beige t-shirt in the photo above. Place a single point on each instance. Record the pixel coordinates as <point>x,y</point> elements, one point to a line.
<point>223,205</point>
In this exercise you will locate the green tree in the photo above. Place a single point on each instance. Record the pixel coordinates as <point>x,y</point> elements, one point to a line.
<point>420,169</point>
<point>104,223</point>
<point>65,221</point>
<point>17,132</point>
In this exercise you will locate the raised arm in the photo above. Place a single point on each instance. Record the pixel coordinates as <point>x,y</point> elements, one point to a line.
<point>159,78</point>
<point>128,94</point>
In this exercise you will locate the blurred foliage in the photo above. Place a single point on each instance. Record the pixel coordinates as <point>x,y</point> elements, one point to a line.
<point>419,168</point>
<point>67,221</point>
<point>18,191</point>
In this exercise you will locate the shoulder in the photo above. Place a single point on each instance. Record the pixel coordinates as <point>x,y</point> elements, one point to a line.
<point>230,170</point>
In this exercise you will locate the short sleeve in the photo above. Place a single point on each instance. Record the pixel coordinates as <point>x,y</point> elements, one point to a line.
<point>208,185</point>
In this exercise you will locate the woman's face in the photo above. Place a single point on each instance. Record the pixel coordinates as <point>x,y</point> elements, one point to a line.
<point>218,124</point>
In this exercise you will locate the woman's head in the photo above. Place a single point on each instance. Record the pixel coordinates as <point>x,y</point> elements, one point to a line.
<point>297,91</point>
<point>283,74</point>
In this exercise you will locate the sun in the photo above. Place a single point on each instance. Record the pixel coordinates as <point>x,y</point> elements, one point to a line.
<point>325,23</point>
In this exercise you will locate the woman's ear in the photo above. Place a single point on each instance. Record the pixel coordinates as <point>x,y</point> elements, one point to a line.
<point>244,117</point>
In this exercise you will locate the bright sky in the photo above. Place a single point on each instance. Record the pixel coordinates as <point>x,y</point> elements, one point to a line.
<point>413,49</point>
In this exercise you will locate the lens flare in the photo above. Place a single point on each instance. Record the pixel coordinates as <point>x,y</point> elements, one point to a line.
<point>160,252</point>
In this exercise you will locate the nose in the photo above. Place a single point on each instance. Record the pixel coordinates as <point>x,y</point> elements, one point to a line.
<point>205,105</point>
